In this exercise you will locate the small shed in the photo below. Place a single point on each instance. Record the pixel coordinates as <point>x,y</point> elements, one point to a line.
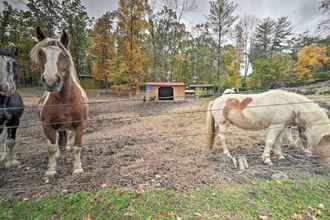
<point>207,89</point>
<point>165,91</point>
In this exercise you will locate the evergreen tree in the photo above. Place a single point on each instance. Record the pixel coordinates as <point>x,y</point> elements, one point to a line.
<point>221,19</point>
<point>282,31</point>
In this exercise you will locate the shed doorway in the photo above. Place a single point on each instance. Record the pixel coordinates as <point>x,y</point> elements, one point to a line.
<point>165,93</point>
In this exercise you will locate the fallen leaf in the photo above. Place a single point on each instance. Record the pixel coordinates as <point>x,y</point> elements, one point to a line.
<point>140,189</point>
<point>198,216</point>
<point>166,214</point>
<point>87,217</point>
<point>263,217</point>
<point>99,199</point>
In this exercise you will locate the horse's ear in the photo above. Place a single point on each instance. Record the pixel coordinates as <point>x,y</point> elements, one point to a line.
<point>40,34</point>
<point>16,52</point>
<point>65,39</point>
<point>325,140</point>
<point>322,150</point>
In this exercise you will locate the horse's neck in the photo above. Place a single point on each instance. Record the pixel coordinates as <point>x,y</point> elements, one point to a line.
<point>67,91</point>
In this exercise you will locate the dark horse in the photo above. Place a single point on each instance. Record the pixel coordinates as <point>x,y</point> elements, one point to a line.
<point>11,104</point>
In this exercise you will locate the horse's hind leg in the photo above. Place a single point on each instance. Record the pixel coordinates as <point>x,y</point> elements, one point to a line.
<point>77,168</point>
<point>10,144</point>
<point>278,147</point>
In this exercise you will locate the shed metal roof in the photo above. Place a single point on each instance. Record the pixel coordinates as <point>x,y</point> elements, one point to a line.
<point>165,83</point>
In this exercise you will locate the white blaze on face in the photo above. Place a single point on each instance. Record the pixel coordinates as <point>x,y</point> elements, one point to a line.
<point>3,69</point>
<point>50,72</point>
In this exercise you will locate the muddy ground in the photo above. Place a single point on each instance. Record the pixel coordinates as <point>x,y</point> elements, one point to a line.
<point>134,145</point>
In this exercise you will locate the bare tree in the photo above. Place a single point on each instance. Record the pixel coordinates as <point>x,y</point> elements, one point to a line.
<point>324,26</point>
<point>244,33</point>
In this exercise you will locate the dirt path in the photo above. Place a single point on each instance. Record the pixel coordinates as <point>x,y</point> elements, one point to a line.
<point>132,144</point>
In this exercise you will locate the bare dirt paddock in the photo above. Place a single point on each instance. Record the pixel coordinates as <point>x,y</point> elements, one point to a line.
<point>133,144</point>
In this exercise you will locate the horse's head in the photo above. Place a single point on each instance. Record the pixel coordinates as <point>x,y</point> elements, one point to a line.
<point>322,150</point>
<point>8,71</point>
<point>53,56</point>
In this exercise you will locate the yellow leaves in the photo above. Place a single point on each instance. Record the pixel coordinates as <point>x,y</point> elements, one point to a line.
<point>310,58</point>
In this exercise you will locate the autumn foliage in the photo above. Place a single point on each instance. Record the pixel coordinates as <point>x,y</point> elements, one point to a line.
<point>310,59</point>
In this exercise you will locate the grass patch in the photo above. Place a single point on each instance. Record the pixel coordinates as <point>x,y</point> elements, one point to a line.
<point>277,199</point>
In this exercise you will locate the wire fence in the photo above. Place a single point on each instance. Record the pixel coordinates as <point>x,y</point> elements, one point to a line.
<point>165,136</point>
<point>145,116</point>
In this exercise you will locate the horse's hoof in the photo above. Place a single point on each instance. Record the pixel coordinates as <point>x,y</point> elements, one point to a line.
<point>268,162</point>
<point>281,157</point>
<point>50,173</point>
<point>243,164</point>
<point>67,148</point>
<point>2,158</point>
<point>234,162</point>
<point>78,171</point>
<point>12,163</point>
<point>216,151</point>
<point>57,154</point>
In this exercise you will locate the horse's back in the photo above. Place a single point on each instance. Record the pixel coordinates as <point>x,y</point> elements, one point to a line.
<point>272,107</point>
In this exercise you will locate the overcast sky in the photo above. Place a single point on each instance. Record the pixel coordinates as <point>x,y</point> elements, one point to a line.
<point>304,14</point>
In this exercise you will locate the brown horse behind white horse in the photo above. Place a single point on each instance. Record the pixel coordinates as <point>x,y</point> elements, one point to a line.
<point>64,104</point>
<point>273,111</point>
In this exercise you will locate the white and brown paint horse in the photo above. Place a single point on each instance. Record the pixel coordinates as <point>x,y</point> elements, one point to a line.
<point>64,104</point>
<point>274,111</point>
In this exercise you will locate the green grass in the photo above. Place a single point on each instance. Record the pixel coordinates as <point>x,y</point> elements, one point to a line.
<point>277,199</point>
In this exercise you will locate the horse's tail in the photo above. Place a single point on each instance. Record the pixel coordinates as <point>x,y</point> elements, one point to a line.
<point>62,138</point>
<point>210,126</point>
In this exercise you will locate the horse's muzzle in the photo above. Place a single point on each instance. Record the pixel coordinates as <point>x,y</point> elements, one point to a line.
<point>7,89</point>
<point>56,86</point>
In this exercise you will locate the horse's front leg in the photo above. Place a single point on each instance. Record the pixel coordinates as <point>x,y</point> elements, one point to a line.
<point>3,154</point>
<point>77,168</point>
<point>273,134</point>
<point>10,142</point>
<point>222,133</point>
<point>52,149</point>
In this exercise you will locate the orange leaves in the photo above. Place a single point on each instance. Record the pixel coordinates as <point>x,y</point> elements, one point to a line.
<point>87,217</point>
<point>102,49</point>
<point>310,59</point>
<point>132,26</point>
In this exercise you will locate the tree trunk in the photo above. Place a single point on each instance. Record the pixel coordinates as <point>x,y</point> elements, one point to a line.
<point>219,53</point>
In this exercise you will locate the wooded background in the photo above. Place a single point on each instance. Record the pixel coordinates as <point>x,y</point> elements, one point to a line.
<point>138,43</point>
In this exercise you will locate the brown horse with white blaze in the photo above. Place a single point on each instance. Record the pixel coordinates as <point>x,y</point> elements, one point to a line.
<point>63,107</point>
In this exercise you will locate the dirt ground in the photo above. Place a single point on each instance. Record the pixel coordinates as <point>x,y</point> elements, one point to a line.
<point>133,145</point>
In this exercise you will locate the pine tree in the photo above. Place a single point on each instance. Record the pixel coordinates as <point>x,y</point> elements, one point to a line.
<point>263,41</point>
<point>282,31</point>
<point>221,19</point>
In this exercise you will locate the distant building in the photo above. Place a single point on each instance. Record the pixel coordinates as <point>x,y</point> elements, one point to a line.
<point>207,89</point>
<point>165,91</point>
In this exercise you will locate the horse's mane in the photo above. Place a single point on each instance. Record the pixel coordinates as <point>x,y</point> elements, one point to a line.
<point>36,59</point>
<point>6,52</point>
